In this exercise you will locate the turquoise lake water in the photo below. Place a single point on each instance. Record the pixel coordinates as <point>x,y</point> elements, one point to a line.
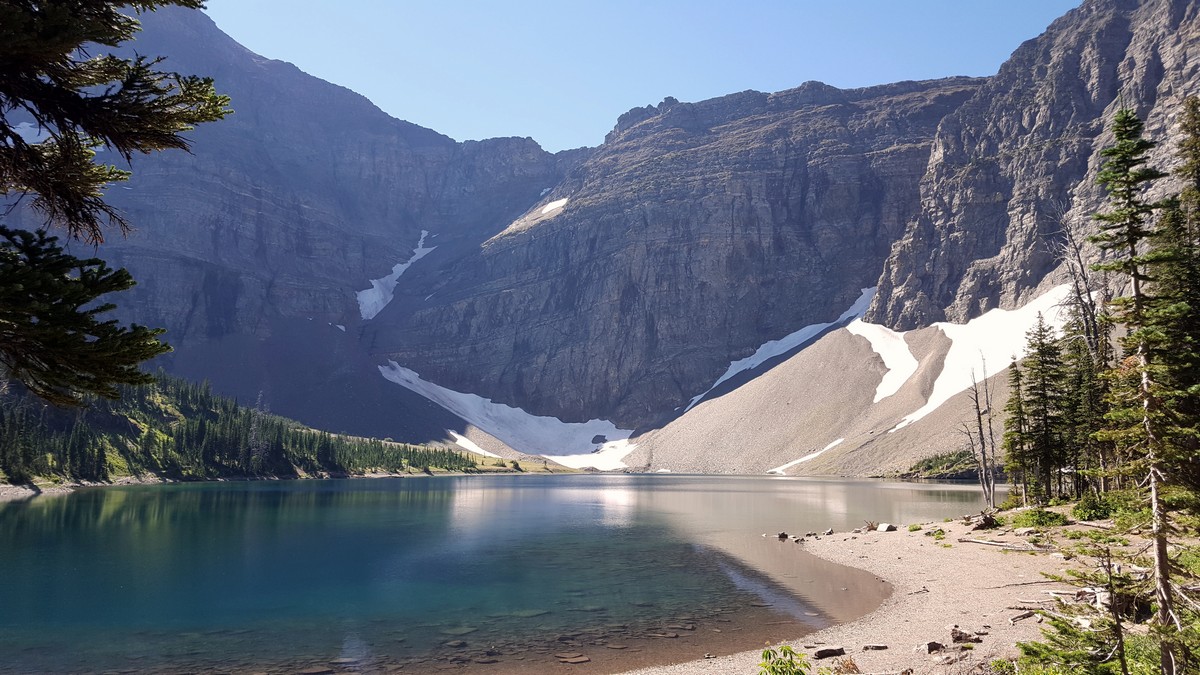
<point>364,574</point>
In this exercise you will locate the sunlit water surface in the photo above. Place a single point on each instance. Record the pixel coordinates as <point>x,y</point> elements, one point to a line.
<point>365,573</point>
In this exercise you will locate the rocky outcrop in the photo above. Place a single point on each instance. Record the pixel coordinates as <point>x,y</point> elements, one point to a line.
<point>1015,163</point>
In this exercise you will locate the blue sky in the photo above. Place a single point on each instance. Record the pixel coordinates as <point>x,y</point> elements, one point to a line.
<point>561,72</point>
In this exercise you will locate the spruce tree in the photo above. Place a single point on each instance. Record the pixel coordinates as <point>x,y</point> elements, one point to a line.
<point>52,334</point>
<point>1083,405</point>
<point>1018,462</point>
<point>56,77</point>
<point>1177,245</point>
<point>1043,406</point>
<point>1140,422</point>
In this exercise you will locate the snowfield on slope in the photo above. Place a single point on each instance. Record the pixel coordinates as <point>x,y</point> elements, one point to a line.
<point>994,339</point>
<point>469,445</point>
<point>783,345</point>
<point>812,455</point>
<point>568,443</point>
<point>891,347</point>
<point>371,301</point>
<point>554,205</point>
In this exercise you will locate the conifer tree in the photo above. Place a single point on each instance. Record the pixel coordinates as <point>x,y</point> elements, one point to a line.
<point>1140,422</point>
<point>1083,405</point>
<point>1043,405</point>
<point>55,77</point>
<point>1018,462</point>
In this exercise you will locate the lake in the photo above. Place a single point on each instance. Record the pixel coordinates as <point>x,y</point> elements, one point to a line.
<point>489,573</point>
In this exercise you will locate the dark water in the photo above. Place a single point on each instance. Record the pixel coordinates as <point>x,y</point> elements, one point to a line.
<point>272,575</point>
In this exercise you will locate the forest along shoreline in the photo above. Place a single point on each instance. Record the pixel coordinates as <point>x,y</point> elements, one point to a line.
<point>10,492</point>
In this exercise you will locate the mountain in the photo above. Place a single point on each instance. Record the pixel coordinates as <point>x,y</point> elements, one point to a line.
<point>1019,160</point>
<point>647,297</point>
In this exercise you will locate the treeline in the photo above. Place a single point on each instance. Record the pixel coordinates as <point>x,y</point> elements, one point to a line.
<point>182,430</point>
<point>1109,409</point>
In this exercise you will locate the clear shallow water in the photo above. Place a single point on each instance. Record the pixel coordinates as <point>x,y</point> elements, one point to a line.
<point>278,575</point>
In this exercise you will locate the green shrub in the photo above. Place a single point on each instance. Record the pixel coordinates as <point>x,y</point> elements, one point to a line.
<point>1038,517</point>
<point>1003,667</point>
<point>915,527</point>
<point>1091,507</point>
<point>783,662</point>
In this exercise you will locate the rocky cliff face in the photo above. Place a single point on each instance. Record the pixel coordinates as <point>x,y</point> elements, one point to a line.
<point>1015,163</point>
<point>620,281</point>
<point>693,235</point>
<point>300,197</point>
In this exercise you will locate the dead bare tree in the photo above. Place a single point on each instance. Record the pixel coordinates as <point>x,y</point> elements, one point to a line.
<point>982,439</point>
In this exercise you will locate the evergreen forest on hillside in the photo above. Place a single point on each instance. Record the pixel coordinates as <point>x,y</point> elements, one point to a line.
<point>180,430</point>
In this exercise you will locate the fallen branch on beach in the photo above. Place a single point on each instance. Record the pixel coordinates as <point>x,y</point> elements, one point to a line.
<point>1024,583</point>
<point>1006,545</point>
<point>1012,621</point>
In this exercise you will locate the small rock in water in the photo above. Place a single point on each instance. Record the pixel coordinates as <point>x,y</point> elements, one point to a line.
<point>567,655</point>
<point>455,644</point>
<point>578,659</point>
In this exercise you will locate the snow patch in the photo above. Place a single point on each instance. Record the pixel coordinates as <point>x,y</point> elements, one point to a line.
<point>568,443</point>
<point>372,300</point>
<point>787,343</point>
<point>609,456</point>
<point>554,205</point>
<point>812,455</point>
<point>469,445</point>
<point>891,347</point>
<point>997,337</point>
<point>340,327</point>
<point>544,191</point>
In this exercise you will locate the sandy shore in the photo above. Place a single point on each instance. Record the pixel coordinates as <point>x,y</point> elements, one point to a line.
<point>969,585</point>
